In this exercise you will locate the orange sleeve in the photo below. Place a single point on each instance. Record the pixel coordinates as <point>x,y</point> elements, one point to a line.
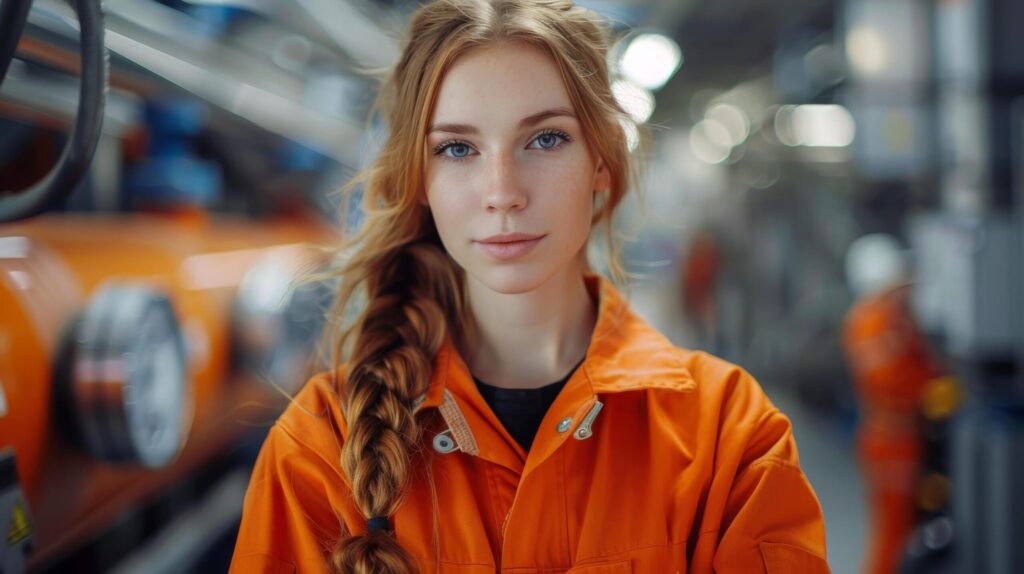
<point>772,520</point>
<point>761,515</point>
<point>289,521</point>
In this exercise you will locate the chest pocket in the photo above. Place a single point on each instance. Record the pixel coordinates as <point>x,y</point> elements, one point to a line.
<point>622,567</point>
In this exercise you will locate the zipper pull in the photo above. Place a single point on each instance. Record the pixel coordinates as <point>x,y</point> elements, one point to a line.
<point>583,431</point>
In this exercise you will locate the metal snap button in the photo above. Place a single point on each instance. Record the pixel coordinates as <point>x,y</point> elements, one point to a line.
<point>564,424</point>
<point>444,443</point>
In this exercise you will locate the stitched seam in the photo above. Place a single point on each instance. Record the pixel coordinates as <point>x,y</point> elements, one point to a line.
<point>493,499</point>
<point>586,375</point>
<point>769,460</point>
<point>588,561</point>
<point>565,503</point>
<point>267,555</point>
<point>794,546</point>
<point>426,559</point>
<point>294,437</point>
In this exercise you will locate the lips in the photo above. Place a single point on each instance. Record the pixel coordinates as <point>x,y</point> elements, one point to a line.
<point>509,246</point>
<point>510,237</point>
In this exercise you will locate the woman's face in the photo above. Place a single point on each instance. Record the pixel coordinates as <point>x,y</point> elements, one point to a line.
<point>510,179</point>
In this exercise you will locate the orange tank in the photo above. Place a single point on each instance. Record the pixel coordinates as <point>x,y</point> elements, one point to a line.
<point>192,269</point>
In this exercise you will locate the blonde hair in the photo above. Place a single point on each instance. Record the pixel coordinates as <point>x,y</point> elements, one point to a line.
<point>413,290</point>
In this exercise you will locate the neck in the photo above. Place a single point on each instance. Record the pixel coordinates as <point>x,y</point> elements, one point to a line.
<point>528,340</point>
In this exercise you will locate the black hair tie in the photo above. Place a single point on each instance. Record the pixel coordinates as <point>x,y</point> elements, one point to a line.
<point>378,523</point>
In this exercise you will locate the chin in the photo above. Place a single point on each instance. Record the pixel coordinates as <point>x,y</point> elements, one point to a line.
<point>510,278</point>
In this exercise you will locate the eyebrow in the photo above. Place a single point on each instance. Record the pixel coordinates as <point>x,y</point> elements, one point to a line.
<point>528,121</point>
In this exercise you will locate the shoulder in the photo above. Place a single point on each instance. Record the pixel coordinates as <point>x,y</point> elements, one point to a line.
<point>703,395</point>
<point>627,353</point>
<point>737,411</point>
<point>313,422</point>
<point>298,501</point>
<point>718,380</point>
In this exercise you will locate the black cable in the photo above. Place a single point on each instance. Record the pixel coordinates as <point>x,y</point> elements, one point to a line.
<point>85,134</point>
<point>13,15</point>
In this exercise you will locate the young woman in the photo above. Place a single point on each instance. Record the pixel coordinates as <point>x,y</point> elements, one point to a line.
<point>501,409</point>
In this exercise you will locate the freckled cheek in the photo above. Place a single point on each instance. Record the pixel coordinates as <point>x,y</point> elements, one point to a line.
<point>451,200</point>
<point>563,184</point>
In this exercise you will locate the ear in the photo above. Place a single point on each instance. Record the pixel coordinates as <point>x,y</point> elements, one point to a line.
<point>602,177</point>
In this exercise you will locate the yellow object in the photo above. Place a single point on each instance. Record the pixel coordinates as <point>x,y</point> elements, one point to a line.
<point>20,527</point>
<point>941,397</point>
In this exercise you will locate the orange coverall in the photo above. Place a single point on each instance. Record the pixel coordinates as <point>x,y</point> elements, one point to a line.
<point>688,467</point>
<point>892,365</point>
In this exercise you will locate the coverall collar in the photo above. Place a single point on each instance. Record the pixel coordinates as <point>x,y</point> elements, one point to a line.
<point>625,354</point>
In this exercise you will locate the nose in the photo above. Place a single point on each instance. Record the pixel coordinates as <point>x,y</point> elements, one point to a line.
<point>504,191</point>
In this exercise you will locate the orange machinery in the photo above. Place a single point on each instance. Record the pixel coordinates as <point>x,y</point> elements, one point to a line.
<point>119,341</point>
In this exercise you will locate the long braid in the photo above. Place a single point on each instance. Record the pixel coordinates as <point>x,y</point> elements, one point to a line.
<point>401,330</point>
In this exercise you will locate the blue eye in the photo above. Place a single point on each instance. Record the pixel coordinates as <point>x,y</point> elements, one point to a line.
<point>547,141</point>
<point>454,150</point>
<point>458,150</point>
<point>551,140</point>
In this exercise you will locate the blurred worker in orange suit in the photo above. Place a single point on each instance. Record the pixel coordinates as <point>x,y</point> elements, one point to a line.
<point>699,275</point>
<point>900,387</point>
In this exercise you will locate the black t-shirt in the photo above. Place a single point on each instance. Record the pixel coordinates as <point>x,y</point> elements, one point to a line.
<point>521,410</point>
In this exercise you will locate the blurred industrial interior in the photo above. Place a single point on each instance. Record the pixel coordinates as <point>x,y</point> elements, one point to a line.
<point>832,200</point>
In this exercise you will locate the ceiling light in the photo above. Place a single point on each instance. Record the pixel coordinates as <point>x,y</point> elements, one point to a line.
<point>650,60</point>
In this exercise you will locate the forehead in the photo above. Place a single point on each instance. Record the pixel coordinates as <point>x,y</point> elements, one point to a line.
<point>499,84</point>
